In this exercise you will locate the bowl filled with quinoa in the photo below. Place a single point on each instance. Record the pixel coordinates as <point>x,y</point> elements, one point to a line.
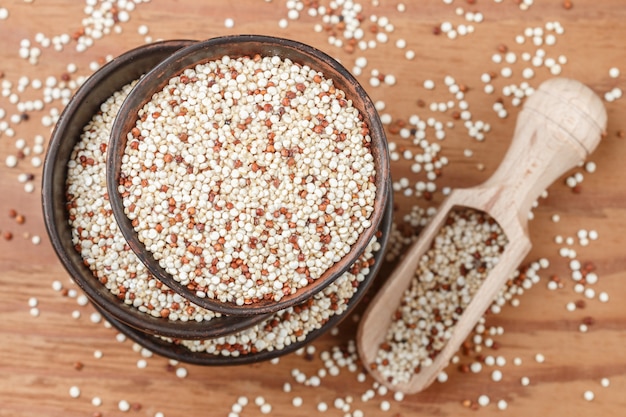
<point>248,172</point>
<point>81,225</point>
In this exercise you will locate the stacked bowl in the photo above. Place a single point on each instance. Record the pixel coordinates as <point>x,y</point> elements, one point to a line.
<point>220,202</point>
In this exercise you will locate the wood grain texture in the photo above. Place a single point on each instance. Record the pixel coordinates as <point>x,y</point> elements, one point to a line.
<point>38,354</point>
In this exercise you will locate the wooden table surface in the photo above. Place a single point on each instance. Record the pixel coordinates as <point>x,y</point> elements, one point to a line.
<point>43,356</point>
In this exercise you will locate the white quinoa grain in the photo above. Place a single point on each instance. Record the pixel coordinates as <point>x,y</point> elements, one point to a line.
<point>502,405</point>
<point>74,391</point>
<point>590,166</point>
<point>95,317</point>
<point>82,300</point>
<point>588,395</point>
<point>385,405</point>
<point>181,372</point>
<point>476,367</point>
<point>605,382</point>
<point>296,401</point>
<point>96,401</point>
<point>143,30</point>
<point>123,405</point>
<point>11,161</point>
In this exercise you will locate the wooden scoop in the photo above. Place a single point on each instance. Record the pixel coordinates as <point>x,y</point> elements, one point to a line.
<point>558,127</point>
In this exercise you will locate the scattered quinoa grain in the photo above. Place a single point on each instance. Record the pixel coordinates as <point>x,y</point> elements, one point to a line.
<point>142,30</point>
<point>181,372</point>
<point>496,375</point>
<point>385,405</point>
<point>74,391</point>
<point>123,405</point>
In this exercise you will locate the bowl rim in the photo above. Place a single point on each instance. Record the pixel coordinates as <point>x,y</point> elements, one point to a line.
<point>232,45</point>
<point>172,350</point>
<point>55,214</point>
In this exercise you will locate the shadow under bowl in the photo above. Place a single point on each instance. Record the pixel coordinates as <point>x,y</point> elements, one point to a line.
<point>110,78</point>
<point>235,47</point>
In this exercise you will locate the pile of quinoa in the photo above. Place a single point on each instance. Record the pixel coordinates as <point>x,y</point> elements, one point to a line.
<point>95,233</point>
<point>248,178</point>
<point>464,251</point>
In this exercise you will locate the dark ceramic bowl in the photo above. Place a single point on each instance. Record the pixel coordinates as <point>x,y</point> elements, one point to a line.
<point>174,350</point>
<point>81,108</point>
<point>235,47</point>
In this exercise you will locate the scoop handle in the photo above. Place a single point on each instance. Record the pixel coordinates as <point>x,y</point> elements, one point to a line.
<point>558,127</point>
